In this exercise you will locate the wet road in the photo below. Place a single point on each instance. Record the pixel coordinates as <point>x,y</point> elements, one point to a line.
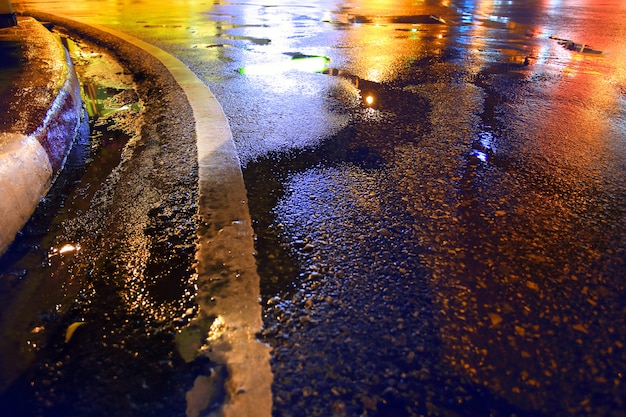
<point>454,247</point>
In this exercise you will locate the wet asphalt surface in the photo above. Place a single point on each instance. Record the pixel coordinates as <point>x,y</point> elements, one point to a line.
<point>111,247</point>
<point>455,248</point>
<point>450,251</point>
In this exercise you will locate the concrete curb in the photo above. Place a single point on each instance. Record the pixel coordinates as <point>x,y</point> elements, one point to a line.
<point>40,121</point>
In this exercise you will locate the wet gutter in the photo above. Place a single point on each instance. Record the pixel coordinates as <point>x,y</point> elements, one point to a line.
<point>229,318</point>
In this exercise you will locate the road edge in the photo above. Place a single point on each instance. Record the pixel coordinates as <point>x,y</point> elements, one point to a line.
<point>225,238</point>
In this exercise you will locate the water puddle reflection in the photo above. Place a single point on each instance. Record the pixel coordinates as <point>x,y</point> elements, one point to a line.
<point>484,146</point>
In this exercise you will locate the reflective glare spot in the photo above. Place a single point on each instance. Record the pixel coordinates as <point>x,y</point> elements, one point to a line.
<point>310,64</point>
<point>69,248</point>
<point>480,155</point>
<point>305,64</point>
<point>486,140</point>
<point>369,100</point>
<point>65,249</point>
<point>467,18</point>
<point>217,329</point>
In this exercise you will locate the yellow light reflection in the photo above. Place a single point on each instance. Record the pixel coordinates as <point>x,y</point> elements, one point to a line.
<point>217,329</point>
<point>381,49</point>
<point>65,249</point>
<point>69,248</point>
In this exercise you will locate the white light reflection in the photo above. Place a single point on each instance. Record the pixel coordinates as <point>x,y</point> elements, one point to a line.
<point>482,156</point>
<point>486,141</point>
<point>554,3</point>
<point>485,146</point>
<point>65,249</point>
